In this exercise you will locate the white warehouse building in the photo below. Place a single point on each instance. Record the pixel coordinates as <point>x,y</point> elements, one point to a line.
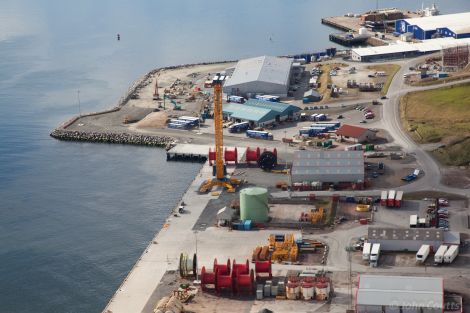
<point>399,294</point>
<point>261,75</point>
<point>328,166</point>
<point>411,239</point>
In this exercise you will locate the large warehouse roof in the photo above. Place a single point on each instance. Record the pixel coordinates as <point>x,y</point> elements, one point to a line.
<point>248,113</point>
<point>423,47</point>
<point>405,291</point>
<point>328,162</point>
<point>258,110</point>
<point>450,21</point>
<point>279,107</point>
<point>265,68</point>
<point>406,234</point>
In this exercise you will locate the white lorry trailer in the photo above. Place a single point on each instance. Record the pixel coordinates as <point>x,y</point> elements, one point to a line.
<point>366,251</point>
<point>439,256</point>
<point>423,253</point>
<point>374,255</point>
<point>451,254</point>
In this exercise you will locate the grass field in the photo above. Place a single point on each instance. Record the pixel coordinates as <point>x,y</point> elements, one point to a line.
<point>390,69</point>
<point>440,115</point>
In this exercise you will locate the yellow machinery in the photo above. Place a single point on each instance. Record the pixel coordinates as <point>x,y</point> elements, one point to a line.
<point>286,250</point>
<point>220,175</point>
<point>317,215</point>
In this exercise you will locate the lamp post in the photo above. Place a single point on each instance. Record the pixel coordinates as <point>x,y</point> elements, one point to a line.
<point>196,282</point>
<point>79,105</point>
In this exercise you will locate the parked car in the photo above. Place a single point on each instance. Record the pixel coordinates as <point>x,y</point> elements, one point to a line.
<point>383,97</point>
<point>443,202</point>
<point>363,122</point>
<point>340,117</point>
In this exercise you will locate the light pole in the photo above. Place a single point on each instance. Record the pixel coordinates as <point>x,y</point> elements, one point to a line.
<point>79,105</point>
<point>196,282</point>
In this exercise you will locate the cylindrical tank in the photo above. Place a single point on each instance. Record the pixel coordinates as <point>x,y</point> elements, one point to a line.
<point>321,291</point>
<point>307,291</point>
<point>254,204</point>
<point>291,291</point>
<point>363,31</point>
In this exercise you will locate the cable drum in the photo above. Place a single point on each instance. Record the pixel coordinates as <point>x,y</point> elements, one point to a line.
<point>187,265</point>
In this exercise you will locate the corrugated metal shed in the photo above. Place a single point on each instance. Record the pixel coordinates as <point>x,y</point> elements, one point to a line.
<point>401,291</point>
<point>264,68</point>
<point>279,107</point>
<point>261,75</point>
<point>259,111</point>
<point>328,166</point>
<point>248,113</point>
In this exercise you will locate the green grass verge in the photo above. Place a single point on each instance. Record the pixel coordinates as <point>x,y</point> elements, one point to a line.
<point>440,115</point>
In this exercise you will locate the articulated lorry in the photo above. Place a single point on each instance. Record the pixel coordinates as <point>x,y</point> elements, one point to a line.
<point>439,256</point>
<point>423,253</point>
<point>374,255</point>
<point>451,254</point>
<point>366,251</point>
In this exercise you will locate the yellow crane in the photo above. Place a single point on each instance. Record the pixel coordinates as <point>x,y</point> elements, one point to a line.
<point>221,178</point>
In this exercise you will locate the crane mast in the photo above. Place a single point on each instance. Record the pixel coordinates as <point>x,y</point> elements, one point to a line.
<point>218,129</point>
<point>221,178</point>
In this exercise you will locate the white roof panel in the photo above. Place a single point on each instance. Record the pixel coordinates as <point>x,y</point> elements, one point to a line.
<point>426,46</point>
<point>425,292</point>
<point>458,20</point>
<point>265,68</point>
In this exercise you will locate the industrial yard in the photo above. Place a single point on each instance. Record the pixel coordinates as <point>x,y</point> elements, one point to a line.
<point>311,196</point>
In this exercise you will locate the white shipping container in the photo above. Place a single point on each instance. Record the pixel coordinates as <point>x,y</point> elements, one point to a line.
<point>413,221</point>
<point>375,254</point>
<point>423,253</point>
<point>366,251</point>
<point>451,254</point>
<point>439,256</point>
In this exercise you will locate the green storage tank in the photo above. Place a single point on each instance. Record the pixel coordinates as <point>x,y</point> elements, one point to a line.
<point>254,204</point>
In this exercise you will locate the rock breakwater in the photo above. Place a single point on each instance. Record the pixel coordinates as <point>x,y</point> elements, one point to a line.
<point>115,138</point>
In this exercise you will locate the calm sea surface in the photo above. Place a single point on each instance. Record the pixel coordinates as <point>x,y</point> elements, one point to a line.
<point>74,217</point>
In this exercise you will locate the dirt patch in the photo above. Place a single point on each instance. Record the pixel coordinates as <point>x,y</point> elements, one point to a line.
<point>153,120</point>
<point>390,70</point>
<point>456,177</point>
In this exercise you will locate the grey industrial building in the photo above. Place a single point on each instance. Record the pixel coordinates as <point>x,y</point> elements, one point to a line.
<point>399,294</point>
<point>328,166</point>
<point>410,239</point>
<point>261,75</point>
